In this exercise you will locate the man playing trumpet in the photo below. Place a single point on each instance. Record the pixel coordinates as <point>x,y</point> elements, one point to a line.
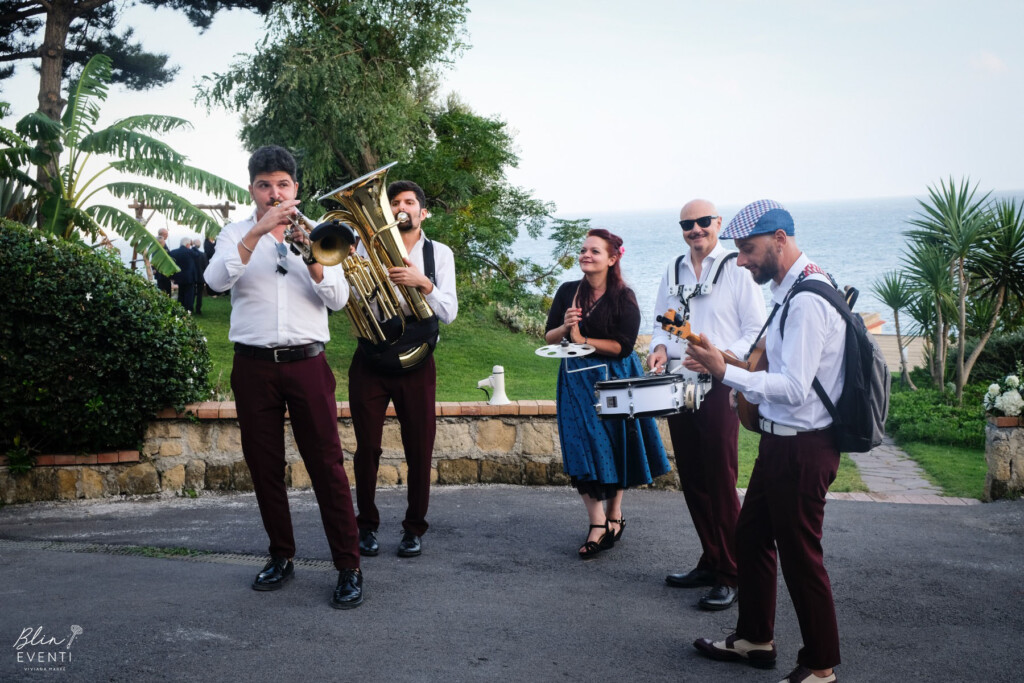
<point>279,326</point>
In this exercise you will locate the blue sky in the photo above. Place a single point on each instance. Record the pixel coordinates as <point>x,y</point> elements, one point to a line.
<point>629,106</point>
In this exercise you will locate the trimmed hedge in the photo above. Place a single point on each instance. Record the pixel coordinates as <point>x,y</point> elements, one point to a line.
<point>932,416</point>
<point>88,351</point>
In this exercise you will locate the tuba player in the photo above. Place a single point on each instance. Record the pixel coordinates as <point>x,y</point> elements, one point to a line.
<point>372,383</point>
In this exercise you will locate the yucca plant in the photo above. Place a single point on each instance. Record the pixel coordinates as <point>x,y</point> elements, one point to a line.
<point>895,291</point>
<point>67,154</point>
<point>957,222</point>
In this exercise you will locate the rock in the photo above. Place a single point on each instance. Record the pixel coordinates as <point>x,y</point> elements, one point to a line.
<point>500,472</point>
<point>139,480</point>
<point>173,479</point>
<point>241,477</point>
<point>300,475</point>
<point>458,471</point>
<point>195,475</point>
<point>495,436</point>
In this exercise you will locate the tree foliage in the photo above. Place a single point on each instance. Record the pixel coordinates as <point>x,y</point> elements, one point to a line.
<point>350,86</point>
<point>63,35</point>
<point>67,153</point>
<point>343,83</point>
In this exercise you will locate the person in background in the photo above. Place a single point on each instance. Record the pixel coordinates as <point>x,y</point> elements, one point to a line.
<point>209,249</point>
<point>201,263</point>
<point>784,507</point>
<point>279,305</point>
<point>185,278</point>
<point>602,457</point>
<point>163,283</point>
<point>721,300</point>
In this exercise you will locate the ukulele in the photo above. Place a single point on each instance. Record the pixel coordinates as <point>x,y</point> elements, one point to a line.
<point>756,361</point>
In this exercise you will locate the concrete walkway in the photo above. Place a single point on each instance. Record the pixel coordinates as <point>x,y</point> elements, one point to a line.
<point>892,477</point>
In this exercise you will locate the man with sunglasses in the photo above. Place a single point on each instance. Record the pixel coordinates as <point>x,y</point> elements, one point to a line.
<point>719,299</point>
<point>279,307</point>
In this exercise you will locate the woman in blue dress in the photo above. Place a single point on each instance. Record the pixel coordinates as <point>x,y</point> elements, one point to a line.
<point>601,457</point>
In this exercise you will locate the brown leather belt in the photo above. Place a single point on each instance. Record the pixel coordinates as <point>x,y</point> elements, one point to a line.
<point>281,354</point>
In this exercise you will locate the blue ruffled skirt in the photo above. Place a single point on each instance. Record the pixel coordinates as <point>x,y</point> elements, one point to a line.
<point>623,452</point>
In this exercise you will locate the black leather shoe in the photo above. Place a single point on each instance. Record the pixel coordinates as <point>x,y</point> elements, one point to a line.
<point>368,543</point>
<point>349,592</point>
<point>718,598</point>
<point>410,545</point>
<point>692,579</point>
<point>274,575</point>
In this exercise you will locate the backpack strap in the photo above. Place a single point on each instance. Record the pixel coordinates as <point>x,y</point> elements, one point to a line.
<point>832,295</point>
<point>428,260</point>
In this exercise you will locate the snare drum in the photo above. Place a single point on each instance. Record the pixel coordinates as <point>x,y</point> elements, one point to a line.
<point>648,396</point>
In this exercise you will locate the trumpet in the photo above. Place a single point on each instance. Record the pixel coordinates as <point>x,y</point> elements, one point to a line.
<point>327,244</point>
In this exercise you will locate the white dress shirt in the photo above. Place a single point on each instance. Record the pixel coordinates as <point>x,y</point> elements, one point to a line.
<point>813,346</point>
<point>730,315</point>
<point>269,309</point>
<point>442,297</point>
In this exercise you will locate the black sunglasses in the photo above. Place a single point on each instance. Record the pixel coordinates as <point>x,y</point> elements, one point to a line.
<point>703,221</point>
<point>282,258</point>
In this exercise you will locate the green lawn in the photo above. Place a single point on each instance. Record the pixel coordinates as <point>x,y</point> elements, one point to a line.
<point>467,351</point>
<point>469,347</point>
<point>847,480</point>
<point>959,471</point>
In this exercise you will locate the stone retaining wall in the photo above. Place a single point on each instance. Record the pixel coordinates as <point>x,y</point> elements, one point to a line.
<point>183,454</point>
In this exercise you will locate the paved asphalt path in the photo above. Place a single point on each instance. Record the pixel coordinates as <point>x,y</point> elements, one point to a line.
<point>924,593</point>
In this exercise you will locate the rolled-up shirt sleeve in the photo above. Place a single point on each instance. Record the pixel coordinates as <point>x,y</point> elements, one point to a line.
<point>333,290</point>
<point>794,369</point>
<point>226,265</point>
<point>443,298</point>
<point>660,337</point>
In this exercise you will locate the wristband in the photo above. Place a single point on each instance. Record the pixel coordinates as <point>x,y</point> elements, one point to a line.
<point>244,245</point>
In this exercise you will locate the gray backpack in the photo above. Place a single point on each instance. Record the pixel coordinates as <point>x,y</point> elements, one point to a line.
<point>858,417</point>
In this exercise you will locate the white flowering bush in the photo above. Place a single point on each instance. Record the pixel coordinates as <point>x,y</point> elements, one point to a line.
<point>1004,397</point>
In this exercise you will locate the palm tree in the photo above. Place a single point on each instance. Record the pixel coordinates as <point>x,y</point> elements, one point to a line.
<point>64,200</point>
<point>955,221</point>
<point>896,293</point>
<point>927,270</point>
<point>999,269</point>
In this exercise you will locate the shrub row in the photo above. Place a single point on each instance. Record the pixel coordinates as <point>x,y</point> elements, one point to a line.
<point>88,350</point>
<point>933,416</point>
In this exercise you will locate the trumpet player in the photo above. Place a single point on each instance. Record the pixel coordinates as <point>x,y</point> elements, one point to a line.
<point>279,327</point>
<point>430,268</point>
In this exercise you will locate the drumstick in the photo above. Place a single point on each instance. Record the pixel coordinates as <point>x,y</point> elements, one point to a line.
<point>674,324</point>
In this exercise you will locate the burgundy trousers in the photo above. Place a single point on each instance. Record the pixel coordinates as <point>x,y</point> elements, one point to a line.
<point>413,394</point>
<point>263,390</point>
<point>705,447</point>
<point>781,519</point>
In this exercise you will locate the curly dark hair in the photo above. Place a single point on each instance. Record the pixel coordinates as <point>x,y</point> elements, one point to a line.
<point>270,159</point>
<point>399,186</point>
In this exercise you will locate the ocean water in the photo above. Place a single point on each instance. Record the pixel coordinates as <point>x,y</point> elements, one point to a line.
<point>857,241</point>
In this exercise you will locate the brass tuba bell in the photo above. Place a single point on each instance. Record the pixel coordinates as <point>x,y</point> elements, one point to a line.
<point>375,308</point>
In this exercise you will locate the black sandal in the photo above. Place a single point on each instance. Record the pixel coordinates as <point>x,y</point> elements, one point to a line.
<point>592,548</point>
<point>615,536</point>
